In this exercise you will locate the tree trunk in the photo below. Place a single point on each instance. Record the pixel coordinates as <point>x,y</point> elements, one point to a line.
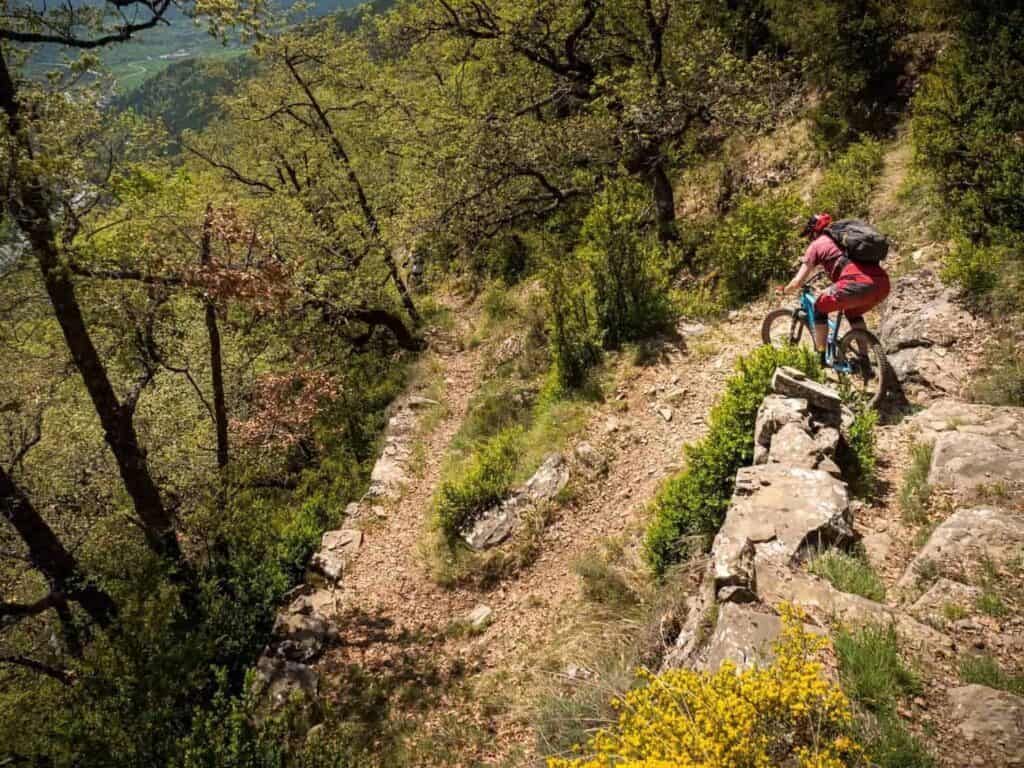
<point>664,202</point>
<point>29,202</point>
<point>49,556</point>
<point>220,411</point>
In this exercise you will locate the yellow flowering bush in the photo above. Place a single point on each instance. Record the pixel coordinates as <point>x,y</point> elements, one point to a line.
<point>785,713</point>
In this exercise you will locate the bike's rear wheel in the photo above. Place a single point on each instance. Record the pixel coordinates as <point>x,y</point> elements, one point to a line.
<point>782,327</point>
<point>868,373</point>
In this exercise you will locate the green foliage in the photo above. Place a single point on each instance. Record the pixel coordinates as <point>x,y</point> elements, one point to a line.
<point>572,328</point>
<point>916,490</point>
<point>891,745</point>
<point>1001,381</point>
<point>851,50</point>
<point>849,573</point>
<point>624,264</point>
<point>985,670</point>
<point>871,668</point>
<point>693,503</point>
<point>966,124</point>
<point>850,180</point>
<point>482,483</point>
<point>751,246</point>
<point>860,460</point>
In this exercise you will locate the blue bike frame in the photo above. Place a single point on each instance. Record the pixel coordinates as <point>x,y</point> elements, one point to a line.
<point>807,298</point>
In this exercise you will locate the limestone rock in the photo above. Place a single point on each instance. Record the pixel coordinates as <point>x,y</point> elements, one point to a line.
<point>934,604</point>
<point>967,536</point>
<point>878,546</point>
<point>778,512</point>
<point>299,637</point>
<point>665,413</point>
<point>990,720</point>
<point>742,635</point>
<point>794,447</point>
<point>967,462</point>
<point>496,524</point>
<point>775,412</point>
<point>480,617</point>
<point>776,584</point>
<point>793,383</point>
<point>336,549</point>
<point>509,350</point>
<point>921,323</point>
<point>590,457</point>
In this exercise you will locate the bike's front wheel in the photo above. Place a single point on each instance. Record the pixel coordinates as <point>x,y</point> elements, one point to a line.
<point>782,327</point>
<point>862,363</point>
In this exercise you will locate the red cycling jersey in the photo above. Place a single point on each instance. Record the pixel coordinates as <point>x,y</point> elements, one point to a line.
<point>857,286</point>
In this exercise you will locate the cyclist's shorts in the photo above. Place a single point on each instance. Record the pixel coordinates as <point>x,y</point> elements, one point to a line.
<point>853,294</point>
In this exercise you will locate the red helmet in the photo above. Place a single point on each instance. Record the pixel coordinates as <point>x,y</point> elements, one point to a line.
<point>817,224</point>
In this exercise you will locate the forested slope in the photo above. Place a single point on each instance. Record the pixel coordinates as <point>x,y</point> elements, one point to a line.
<point>539,228</point>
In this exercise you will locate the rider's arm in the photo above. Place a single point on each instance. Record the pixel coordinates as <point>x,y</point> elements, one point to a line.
<point>801,277</point>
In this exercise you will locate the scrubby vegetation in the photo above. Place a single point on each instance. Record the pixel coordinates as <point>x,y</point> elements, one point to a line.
<point>690,507</point>
<point>783,712</point>
<point>916,490</point>
<point>207,303</point>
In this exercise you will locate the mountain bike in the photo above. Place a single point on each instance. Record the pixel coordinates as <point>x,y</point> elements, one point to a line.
<point>856,358</point>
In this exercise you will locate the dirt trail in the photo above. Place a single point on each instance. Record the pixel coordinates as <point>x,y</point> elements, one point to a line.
<point>389,597</point>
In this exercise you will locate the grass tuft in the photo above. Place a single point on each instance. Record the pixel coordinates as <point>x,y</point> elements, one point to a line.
<point>873,672</point>
<point>985,670</point>
<point>849,573</point>
<point>916,491</point>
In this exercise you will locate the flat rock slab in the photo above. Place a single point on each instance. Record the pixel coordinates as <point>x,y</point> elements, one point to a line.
<point>299,637</point>
<point>990,720</point>
<point>967,536</point>
<point>793,446</point>
<point>743,636</point>
<point>977,448</point>
<point>943,598</point>
<point>791,382</point>
<point>778,513</point>
<point>497,524</point>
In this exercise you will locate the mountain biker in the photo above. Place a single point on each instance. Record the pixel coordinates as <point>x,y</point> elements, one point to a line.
<point>856,286</point>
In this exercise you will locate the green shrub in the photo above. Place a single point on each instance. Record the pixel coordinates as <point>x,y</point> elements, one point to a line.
<point>872,672</point>
<point>890,745</point>
<point>575,339</point>
<point>849,573</point>
<point>851,51</point>
<point>624,264</point>
<point>481,484</point>
<point>966,126</point>
<point>985,670</point>
<point>693,502</point>
<point>751,246</point>
<point>861,459</point>
<point>848,183</point>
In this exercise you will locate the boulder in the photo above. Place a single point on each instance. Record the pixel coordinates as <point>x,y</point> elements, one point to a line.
<point>590,457</point>
<point>793,383</point>
<point>780,513</point>
<point>969,462</point>
<point>775,412</point>
<point>743,635</point>
<point>990,720</point>
<point>496,524</point>
<point>299,637</point>
<point>965,537</point>
<point>935,604</point>
<point>480,617</point>
<point>794,447</point>
<point>336,549</point>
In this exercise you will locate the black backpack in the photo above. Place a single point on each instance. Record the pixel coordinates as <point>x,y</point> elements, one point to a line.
<point>859,241</point>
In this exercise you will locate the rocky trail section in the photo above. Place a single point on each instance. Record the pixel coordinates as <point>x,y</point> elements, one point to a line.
<point>785,511</point>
